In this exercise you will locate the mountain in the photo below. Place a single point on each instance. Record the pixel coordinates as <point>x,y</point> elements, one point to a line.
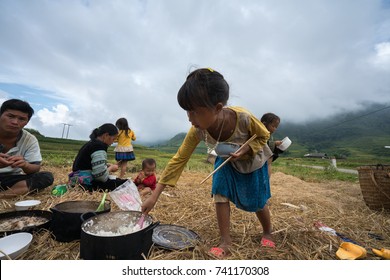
<point>351,134</point>
<point>174,143</point>
<point>355,134</point>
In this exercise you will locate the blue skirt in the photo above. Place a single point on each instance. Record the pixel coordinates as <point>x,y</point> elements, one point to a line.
<point>125,156</point>
<point>249,192</point>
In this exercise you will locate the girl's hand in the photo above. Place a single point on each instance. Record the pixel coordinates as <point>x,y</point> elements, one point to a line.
<point>113,167</point>
<point>148,204</point>
<point>240,153</point>
<point>278,143</point>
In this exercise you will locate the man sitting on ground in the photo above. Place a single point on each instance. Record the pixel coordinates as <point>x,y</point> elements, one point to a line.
<point>20,156</point>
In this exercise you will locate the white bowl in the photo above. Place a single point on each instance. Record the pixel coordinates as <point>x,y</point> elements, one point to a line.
<point>15,244</point>
<point>286,142</point>
<point>26,204</point>
<point>224,149</point>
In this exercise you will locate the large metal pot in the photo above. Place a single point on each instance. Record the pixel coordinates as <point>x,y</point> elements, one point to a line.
<point>66,221</point>
<point>113,236</point>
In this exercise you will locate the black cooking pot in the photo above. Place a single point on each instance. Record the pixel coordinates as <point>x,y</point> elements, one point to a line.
<point>7,216</point>
<point>110,236</point>
<point>66,221</point>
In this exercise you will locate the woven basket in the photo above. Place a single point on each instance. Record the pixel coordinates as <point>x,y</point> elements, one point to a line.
<point>375,185</point>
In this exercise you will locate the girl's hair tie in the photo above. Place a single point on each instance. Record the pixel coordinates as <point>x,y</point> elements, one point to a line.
<point>210,69</point>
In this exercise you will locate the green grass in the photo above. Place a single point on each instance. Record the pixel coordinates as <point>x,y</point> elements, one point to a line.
<point>61,153</point>
<point>315,175</point>
<point>197,161</point>
<point>350,163</point>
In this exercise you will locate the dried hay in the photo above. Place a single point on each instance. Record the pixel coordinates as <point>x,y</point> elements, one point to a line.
<point>339,205</point>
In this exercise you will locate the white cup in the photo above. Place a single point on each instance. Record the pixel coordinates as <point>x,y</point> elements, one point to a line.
<point>286,142</point>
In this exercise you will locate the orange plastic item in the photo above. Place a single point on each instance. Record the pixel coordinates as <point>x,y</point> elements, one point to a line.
<point>350,251</point>
<point>384,253</point>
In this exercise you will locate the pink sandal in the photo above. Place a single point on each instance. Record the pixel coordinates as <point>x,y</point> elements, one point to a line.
<point>267,243</point>
<point>218,252</point>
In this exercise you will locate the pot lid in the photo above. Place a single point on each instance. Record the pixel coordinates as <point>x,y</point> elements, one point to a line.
<point>174,237</point>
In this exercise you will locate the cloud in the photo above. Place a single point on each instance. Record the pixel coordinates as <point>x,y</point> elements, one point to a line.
<point>58,115</point>
<point>104,60</point>
<point>382,56</point>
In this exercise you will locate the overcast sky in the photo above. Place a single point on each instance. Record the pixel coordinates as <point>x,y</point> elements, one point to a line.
<point>85,63</point>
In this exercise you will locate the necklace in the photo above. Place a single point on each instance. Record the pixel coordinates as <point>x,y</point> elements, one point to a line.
<point>211,149</point>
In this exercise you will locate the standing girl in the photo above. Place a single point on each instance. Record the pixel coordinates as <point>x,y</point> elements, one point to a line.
<point>124,150</point>
<point>243,181</point>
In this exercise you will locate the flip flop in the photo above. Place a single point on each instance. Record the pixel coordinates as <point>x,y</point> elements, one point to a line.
<point>265,242</point>
<point>218,252</point>
<point>384,253</point>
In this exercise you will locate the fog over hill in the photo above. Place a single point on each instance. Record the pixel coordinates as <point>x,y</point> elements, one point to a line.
<point>365,131</point>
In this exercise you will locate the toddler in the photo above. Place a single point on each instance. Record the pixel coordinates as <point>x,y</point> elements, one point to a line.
<point>146,179</point>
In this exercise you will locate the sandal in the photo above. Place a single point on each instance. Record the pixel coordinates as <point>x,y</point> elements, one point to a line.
<point>218,252</point>
<point>384,253</point>
<point>267,243</point>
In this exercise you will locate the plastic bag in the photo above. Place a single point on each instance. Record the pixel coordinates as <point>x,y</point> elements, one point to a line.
<point>127,197</point>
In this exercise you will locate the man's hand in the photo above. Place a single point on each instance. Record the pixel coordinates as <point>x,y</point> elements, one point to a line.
<point>17,161</point>
<point>4,160</point>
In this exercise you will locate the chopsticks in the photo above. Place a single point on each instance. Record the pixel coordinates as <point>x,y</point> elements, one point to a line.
<point>229,158</point>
